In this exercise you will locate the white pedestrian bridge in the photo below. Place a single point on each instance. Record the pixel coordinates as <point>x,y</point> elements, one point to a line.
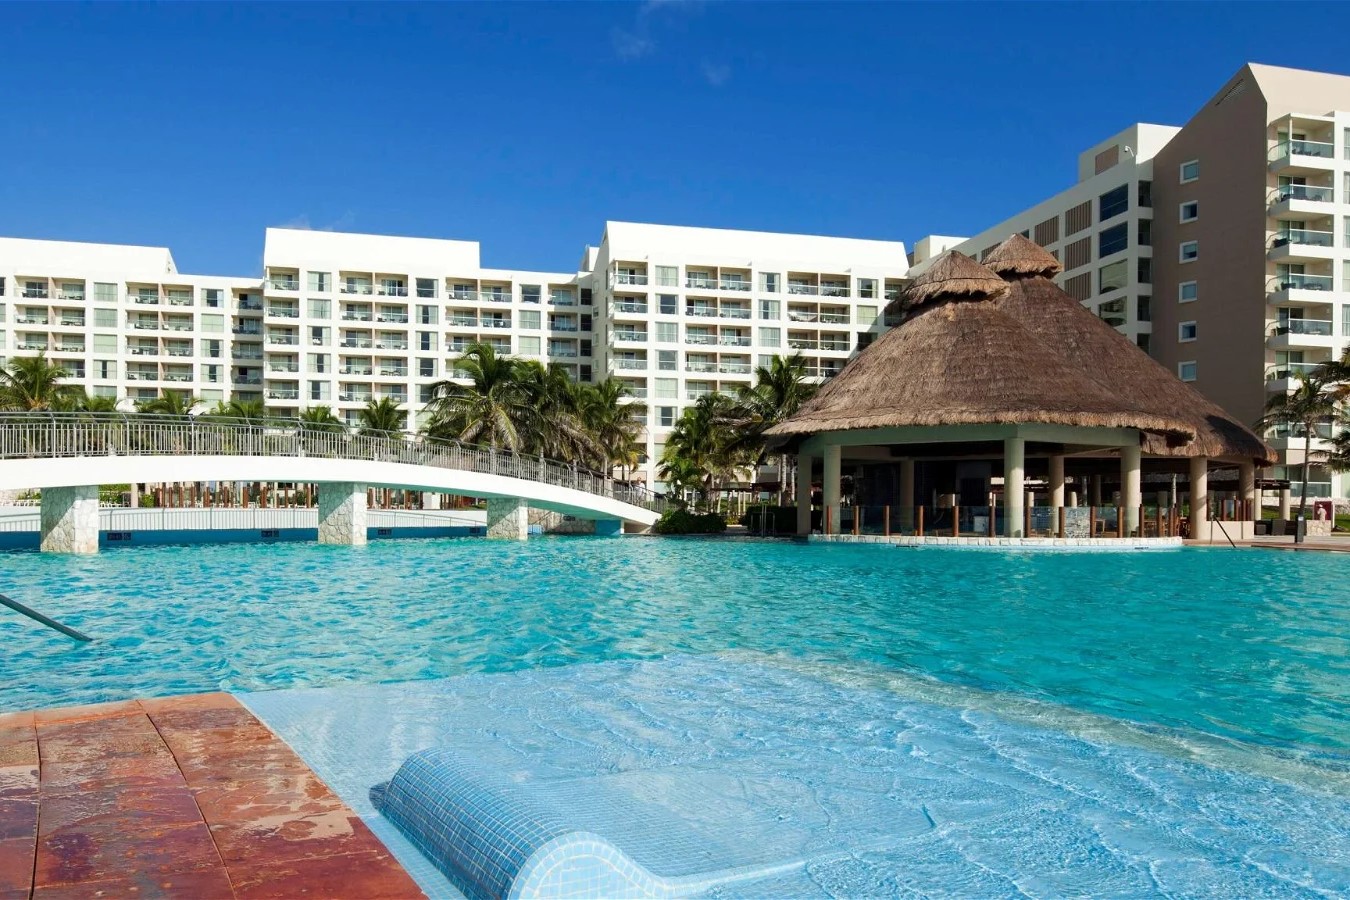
<point>68,455</point>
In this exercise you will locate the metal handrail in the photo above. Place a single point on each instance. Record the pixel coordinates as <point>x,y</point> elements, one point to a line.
<point>43,435</point>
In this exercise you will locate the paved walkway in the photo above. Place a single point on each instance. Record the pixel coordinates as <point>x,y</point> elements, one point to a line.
<point>180,797</point>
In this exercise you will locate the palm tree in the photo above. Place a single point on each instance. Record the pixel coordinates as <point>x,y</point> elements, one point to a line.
<point>612,424</point>
<point>252,412</point>
<point>321,419</point>
<point>178,404</point>
<point>489,409</point>
<point>382,417</point>
<point>707,436</point>
<point>31,383</point>
<point>779,390</point>
<point>1302,409</point>
<point>96,404</point>
<point>680,475</point>
<point>549,421</point>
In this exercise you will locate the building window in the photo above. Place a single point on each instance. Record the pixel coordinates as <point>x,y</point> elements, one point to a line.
<point>665,416</point>
<point>768,309</point>
<point>1078,218</point>
<point>1186,331</point>
<point>1079,287</point>
<point>667,332</point>
<point>1112,312</point>
<point>1113,203</point>
<point>1113,277</point>
<point>105,318</point>
<point>529,318</point>
<point>586,296</point>
<point>426,368</point>
<point>105,369</point>
<point>529,344</point>
<point>213,323</point>
<point>1141,341</point>
<point>424,339</point>
<point>1186,371</point>
<point>867,315</point>
<point>667,276</point>
<point>666,360</point>
<point>667,304</point>
<point>320,282</point>
<point>770,337</point>
<point>1189,251</point>
<point>1187,291</point>
<point>1190,171</point>
<point>1113,240</point>
<point>426,287</point>
<point>1047,232</point>
<point>1079,253</point>
<point>212,297</point>
<point>667,389</point>
<point>107,293</point>
<point>1190,210</point>
<point>1143,308</point>
<point>1145,233</point>
<point>320,309</point>
<point>1146,195</point>
<point>768,282</point>
<point>1144,270</point>
<point>530,293</point>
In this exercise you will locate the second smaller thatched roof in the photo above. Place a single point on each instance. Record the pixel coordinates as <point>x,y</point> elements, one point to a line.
<point>952,275</point>
<point>1021,256</point>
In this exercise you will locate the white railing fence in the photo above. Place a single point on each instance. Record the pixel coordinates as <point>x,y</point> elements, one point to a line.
<point>45,435</point>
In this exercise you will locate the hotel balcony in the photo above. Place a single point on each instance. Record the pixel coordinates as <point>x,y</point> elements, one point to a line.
<point>1293,157</point>
<point>71,320</point>
<point>283,365</point>
<point>145,298</point>
<point>1299,290</point>
<point>1302,333</point>
<point>502,322</point>
<point>350,394</point>
<point>391,287</point>
<point>143,348</point>
<point>627,307</point>
<point>177,323</point>
<point>387,342</point>
<point>1300,199</point>
<point>1283,377</point>
<point>628,274</point>
<point>250,304</point>
<point>30,343</point>
<point>247,352</point>
<point>179,298</point>
<point>562,298</point>
<point>283,312</point>
<point>72,293</point>
<point>630,363</point>
<point>1302,244</point>
<point>283,393</point>
<point>178,348</point>
<point>283,280</point>
<point>351,284</point>
<point>145,324</point>
<point>285,340</point>
<point>631,337</point>
<point>461,320</point>
<point>1283,437</point>
<point>68,347</point>
<point>178,374</point>
<point>31,318</point>
<point>143,374</point>
<point>34,293</point>
<point>393,371</point>
<point>392,317</point>
<point>563,323</point>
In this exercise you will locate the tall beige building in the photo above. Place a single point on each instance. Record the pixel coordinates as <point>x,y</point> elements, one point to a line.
<point>1222,247</point>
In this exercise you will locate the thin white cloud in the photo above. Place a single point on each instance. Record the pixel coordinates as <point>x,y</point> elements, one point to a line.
<point>630,45</point>
<point>716,74</point>
<point>302,222</point>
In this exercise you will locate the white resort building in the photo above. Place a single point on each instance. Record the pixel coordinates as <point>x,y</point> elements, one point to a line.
<point>340,319</point>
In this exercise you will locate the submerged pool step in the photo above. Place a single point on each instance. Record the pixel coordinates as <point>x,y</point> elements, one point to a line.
<point>492,839</point>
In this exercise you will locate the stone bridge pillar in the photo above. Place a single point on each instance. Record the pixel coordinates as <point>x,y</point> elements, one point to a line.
<point>508,518</point>
<point>342,513</point>
<point>70,519</point>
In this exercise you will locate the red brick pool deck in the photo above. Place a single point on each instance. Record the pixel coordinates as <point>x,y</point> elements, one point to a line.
<point>180,797</point>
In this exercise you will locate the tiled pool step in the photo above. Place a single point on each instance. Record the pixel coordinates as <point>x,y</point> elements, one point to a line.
<point>185,796</point>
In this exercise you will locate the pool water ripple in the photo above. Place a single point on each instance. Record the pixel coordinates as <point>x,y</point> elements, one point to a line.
<point>1250,647</point>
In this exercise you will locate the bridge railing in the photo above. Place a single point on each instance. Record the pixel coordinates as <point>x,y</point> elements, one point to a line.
<point>45,435</point>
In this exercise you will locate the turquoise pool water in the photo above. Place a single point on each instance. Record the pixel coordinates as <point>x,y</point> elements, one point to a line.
<point>1242,645</point>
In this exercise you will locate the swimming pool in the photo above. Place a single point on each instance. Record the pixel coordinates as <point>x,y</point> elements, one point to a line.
<point>1247,646</point>
<point>1179,719</point>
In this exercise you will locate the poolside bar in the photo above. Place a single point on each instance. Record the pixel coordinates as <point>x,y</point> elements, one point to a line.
<point>995,405</point>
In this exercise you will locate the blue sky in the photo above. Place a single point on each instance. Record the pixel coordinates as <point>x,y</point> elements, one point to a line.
<point>526,125</point>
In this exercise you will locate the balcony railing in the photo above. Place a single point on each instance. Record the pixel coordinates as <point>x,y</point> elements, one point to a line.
<point>731,368</point>
<point>562,300</point>
<point>633,336</point>
<point>562,326</point>
<point>733,313</point>
<point>284,284</point>
<point>803,344</point>
<point>71,296</point>
<point>31,320</point>
<point>357,317</point>
<point>701,283</point>
<point>391,345</point>
<point>392,290</point>
<point>706,312</point>
<point>800,288</point>
<point>354,287</point>
<point>732,340</point>
<point>698,366</point>
<point>626,278</point>
<point>283,312</point>
<point>505,323</point>
<point>178,351</point>
<point>834,290</point>
<point>732,284</point>
<point>1301,283</point>
<point>464,321</point>
<point>1290,370</point>
<point>1319,149</point>
<point>704,339</point>
<point>834,318</point>
<point>282,394</point>
<point>398,318</point>
<point>146,299</point>
<point>394,372</point>
<point>356,342</point>
<point>1304,192</point>
<point>250,306</point>
<point>636,308</point>
<point>283,367</point>
<point>154,326</point>
<point>143,351</point>
<point>630,364</point>
<point>34,293</point>
<point>179,300</point>
<point>1314,327</point>
<point>356,370</point>
<point>1303,237</point>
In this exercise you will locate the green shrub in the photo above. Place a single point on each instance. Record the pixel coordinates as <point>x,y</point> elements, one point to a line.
<point>682,521</point>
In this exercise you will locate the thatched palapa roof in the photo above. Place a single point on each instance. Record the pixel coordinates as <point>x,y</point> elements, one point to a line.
<point>1112,360</point>
<point>957,359</point>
